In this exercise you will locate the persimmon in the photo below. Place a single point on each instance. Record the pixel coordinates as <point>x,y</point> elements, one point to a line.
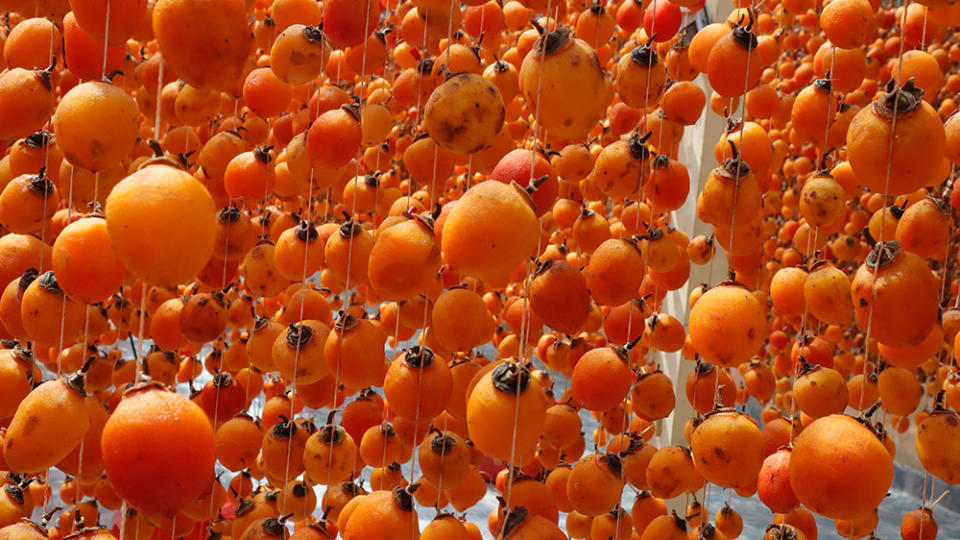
<point>490,411</point>
<point>708,316</point>
<point>554,62</point>
<point>58,407</point>
<point>877,285</point>
<point>490,231</point>
<point>855,464</point>
<point>188,238</point>
<point>911,164</point>
<point>727,449</point>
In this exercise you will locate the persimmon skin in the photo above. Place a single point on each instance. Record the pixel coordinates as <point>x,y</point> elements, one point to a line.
<point>170,209</point>
<point>206,42</point>
<point>47,425</point>
<point>567,86</point>
<point>727,449</point>
<point>917,152</point>
<point>839,468</point>
<point>937,443</point>
<point>144,453</point>
<point>96,125</point>
<point>490,414</point>
<point>559,296</point>
<point>901,304</point>
<point>489,232</point>
<point>87,268</point>
<point>25,102</point>
<point>709,323</point>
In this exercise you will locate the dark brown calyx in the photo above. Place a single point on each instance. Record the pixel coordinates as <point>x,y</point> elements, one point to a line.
<point>882,254</point>
<point>352,489</point>
<point>707,532</point>
<point>48,282</point>
<point>823,85</point>
<point>424,221</point>
<point>511,377</point>
<point>644,55</point>
<point>637,146</point>
<point>306,232</point>
<point>442,444</point>
<point>14,492</point>
<point>372,180</point>
<point>284,429</point>
<point>782,532</point>
<point>536,183</point>
<point>41,185</point>
<point>221,380</point>
<point>703,368</point>
<point>346,323</point>
<point>307,425</point>
<point>552,42</point>
<point>613,463</point>
<point>331,434</point>
<point>230,214</point>
<point>896,210</point>
<point>298,336</point>
<point>403,497</point>
<point>262,153</point>
<point>662,161</point>
<point>418,357</point>
<point>23,354</point>
<point>350,228</point>
<point>679,521</point>
<point>246,505</point>
<point>43,75</point>
<point>525,194</point>
<point>260,323</point>
<point>515,518</point>
<point>25,280</point>
<point>744,37</point>
<point>806,367</point>
<point>734,167</point>
<point>542,267</point>
<point>353,109</point>
<point>386,428</point>
<point>313,34</point>
<point>500,66</point>
<point>39,139</point>
<point>425,66</point>
<point>273,527</point>
<point>898,101</point>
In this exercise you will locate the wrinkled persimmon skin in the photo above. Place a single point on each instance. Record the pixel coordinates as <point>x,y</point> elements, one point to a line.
<point>145,456</point>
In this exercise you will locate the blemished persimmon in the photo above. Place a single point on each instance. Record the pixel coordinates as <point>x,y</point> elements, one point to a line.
<point>57,408</point>
<point>96,125</point>
<point>490,411</point>
<point>709,320</point>
<point>727,449</point>
<point>137,445</point>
